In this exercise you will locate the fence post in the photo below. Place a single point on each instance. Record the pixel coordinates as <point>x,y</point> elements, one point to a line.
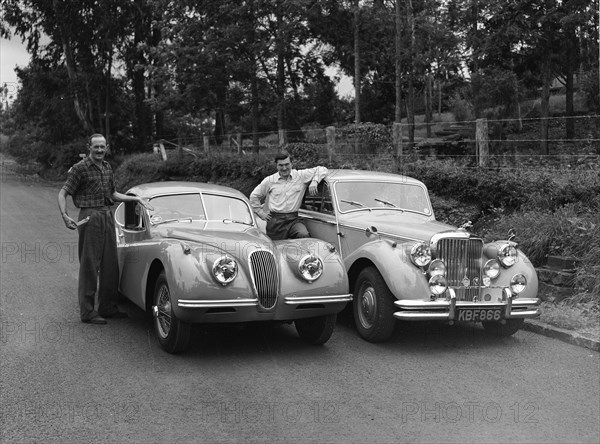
<point>482,142</point>
<point>330,134</point>
<point>206,140</point>
<point>282,138</point>
<point>238,139</point>
<point>397,138</point>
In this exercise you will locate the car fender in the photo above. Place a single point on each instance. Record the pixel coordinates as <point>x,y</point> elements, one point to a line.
<point>392,260</point>
<point>334,279</point>
<point>522,266</point>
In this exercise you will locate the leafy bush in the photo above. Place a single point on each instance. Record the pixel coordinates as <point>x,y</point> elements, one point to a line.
<point>139,168</point>
<point>591,89</point>
<point>451,211</point>
<point>304,155</point>
<point>569,231</point>
<point>461,108</point>
<point>375,138</point>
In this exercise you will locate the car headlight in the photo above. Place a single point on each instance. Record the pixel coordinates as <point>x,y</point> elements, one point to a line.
<point>310,267</point>
<point>518,283</point>
<point>437,284</point>
<point>225,270</point>
<point>420,255</point>
<point>437,267</point>
<point>492,268</point>
<point>507,255</point>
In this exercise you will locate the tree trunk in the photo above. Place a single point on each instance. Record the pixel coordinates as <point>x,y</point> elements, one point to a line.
<point>428,105</point>
<point>398,104</point>
<point>107,99</point>
<point>545,108</point>
<point>255,111</point>
<point>142,125</point>
<point>159,115</point>
<point>411,73</point>
<point>72,73</point>
<point>280,45</point>
<point>356,64</point>
<point>571,63</point>
<point>439,90</point>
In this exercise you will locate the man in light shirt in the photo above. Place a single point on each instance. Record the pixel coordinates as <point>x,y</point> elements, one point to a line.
<point>283,193</point>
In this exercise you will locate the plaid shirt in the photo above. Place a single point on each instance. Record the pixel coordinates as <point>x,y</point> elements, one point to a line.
<point>90,185</point>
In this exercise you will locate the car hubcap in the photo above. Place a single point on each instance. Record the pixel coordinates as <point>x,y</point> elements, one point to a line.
<point>367,306</point>
<point>163,312</point>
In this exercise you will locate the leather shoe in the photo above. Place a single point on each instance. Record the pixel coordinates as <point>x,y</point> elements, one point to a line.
<point>116,315</point>
<point>99,320</point>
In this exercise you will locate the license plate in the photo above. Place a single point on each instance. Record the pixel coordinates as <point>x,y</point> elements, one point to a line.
<point>479,314</point>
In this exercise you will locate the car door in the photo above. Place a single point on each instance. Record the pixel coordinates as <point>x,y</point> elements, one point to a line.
<point>319,214</point>
<point>132,233</point>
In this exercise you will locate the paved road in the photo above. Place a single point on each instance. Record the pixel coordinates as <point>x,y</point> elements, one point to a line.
<point>63,381</point>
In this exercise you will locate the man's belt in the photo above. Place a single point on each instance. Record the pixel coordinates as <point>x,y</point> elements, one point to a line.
<point>104,208</point>
<point>274,214</point>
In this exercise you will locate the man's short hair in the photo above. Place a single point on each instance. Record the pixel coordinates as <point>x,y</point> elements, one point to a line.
<point>95,135</point>
<point>281,156</point>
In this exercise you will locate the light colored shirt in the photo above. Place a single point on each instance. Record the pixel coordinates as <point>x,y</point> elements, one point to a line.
<point>281,195</point>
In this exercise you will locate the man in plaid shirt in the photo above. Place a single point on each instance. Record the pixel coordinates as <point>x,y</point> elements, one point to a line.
<point>91,185</point>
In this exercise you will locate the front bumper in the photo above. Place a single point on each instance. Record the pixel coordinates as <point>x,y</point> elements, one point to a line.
<point>286,308</point>
<point>448,309</point>
<point>290,300</point>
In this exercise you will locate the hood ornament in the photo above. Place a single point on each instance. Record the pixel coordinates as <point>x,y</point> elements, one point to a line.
<point>466,225</point>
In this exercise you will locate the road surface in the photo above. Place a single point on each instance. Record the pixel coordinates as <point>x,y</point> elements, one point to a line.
<point>64,381</point>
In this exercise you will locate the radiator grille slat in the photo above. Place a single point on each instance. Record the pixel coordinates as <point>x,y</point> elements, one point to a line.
<point>266,280</point>
<point>463,259</point>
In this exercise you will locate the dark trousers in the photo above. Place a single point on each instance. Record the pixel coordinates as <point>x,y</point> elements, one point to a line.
<point>286,226</point>
<point>97,262</point>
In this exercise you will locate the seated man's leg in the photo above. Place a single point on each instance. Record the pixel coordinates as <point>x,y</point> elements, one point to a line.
<point>298,230</point>
<point>277,228</point>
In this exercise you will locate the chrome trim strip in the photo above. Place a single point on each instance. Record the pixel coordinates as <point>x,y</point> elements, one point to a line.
<point>449,234</point>
<point>291,300</point>
<point>401,239</point>
<point>217,303</point>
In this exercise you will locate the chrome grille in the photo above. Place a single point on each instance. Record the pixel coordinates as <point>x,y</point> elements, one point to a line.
<point>264,275</point>
<point>463,262</point>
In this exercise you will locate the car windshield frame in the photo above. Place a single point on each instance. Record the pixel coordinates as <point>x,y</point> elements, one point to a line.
<point>372,205</point>
<point>205,215</point>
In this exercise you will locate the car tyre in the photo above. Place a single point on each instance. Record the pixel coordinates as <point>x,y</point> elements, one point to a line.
<point>173,334</point>
<point>316,331</point>
<point>373,305</point>
<point>503,330</point>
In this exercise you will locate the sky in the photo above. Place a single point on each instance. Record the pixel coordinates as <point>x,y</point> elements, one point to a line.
<point>12,52</point>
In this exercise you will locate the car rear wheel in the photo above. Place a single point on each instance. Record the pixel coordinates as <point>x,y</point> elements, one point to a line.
<point>373,306</point>
<point>173,334</point>
<point>503,330</point>
<point>316,331</point>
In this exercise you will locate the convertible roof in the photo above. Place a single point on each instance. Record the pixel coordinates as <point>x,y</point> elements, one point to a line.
<point>369,176</point>
<point>149,190</point>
